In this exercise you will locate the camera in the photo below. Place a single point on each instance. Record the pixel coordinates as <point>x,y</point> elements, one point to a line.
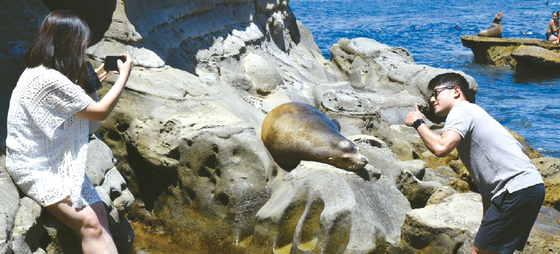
<point>111,62</point>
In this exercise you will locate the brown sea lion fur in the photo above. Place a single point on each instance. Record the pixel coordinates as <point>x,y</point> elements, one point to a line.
<point>297,131</point>
<point>495,29</point>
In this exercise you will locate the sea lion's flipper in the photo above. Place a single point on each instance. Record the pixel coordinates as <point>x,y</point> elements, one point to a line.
<point>337,123</point>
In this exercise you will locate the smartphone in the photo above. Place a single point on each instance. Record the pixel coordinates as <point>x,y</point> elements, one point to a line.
<point>92,83</point>
<point>111,62</point>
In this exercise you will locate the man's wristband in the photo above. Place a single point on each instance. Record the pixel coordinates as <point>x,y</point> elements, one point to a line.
<point>417,123</point>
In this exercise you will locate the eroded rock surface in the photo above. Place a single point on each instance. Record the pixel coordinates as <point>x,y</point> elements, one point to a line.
<point>186,163</point>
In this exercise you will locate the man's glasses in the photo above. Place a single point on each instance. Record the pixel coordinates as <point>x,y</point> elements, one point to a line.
<point>438,90</point>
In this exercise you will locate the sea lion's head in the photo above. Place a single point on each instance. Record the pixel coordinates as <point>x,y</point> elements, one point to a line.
<point>349,157</point>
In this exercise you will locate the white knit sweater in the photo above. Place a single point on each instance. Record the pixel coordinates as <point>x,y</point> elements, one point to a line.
<point>47,143</point>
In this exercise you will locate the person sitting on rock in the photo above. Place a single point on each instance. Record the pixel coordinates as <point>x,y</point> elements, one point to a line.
<point>48,126</point>
<point>512,189</point>
<point>553,28</point>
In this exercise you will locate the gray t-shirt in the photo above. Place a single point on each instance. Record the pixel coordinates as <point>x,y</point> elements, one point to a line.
<point>494,158</point>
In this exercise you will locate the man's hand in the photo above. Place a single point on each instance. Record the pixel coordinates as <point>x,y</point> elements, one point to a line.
<point>413,115</point>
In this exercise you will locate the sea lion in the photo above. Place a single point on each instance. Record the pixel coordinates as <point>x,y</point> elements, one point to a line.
<point>297,131</point>
<point>495,29</point>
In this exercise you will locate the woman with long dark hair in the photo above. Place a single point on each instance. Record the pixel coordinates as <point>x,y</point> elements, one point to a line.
<point>48,126</point>
<point>553,28</point>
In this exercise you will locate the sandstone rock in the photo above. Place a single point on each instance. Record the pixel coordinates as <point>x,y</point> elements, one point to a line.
<point>447,176</point>
<point>533,58</point>
<point>317,207</point>
<point>417,192</point>
<point>440,195</point>
<point>497,51</point>
<point>545,233</point>
<point>549,168</point>
<point>28,228</point>
<point>416,167</point>
<point>185,133</point>
<point>379,155</point>
<point>264,76</point>
<point>445,227</point>
<point>450,227</point>
<point>8,207</point>
<point>391,72</point>
<point>100,160</point>
<point>113,190</point>
<point>321,88</point>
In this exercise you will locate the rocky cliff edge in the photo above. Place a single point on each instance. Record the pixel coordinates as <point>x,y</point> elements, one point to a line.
<point>185,136</point>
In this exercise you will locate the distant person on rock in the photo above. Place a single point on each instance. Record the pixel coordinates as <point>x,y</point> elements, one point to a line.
<point>48,126</point>
<point>512,189</point>
<point>553,28</point>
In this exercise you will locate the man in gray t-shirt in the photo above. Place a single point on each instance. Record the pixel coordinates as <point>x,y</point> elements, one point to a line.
<point>512,189</point>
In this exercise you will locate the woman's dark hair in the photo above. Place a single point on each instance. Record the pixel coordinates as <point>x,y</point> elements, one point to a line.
<point>61,44</point>
<point>453,79</point>
<point>555,12</point>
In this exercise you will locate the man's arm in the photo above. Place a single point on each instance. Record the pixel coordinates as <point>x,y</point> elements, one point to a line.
<point>440,145</point>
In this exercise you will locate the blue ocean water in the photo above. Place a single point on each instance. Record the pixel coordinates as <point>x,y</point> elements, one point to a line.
<point>431,31</point>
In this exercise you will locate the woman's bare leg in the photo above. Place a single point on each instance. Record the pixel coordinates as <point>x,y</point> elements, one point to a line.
<point>85,222</point>
<point>554,39</point>
<point>99,209</point>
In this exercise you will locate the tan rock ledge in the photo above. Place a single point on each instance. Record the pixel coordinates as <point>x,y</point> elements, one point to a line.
<point>498,51</point>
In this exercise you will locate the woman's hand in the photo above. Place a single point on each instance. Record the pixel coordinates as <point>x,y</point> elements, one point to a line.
<point>101,110</point>
<point>126,67</point>
<point>103,75</point>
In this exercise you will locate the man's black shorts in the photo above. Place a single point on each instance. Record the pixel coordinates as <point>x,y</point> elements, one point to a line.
<point>507,223</point>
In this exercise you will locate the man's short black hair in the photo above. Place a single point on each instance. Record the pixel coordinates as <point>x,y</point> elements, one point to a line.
<point>452,79</point>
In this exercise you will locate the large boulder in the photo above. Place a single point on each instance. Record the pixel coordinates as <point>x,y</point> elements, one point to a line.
<point>319,208</point>
<point>447,227</point>
<point>450,226</point>
<point>533,58</point>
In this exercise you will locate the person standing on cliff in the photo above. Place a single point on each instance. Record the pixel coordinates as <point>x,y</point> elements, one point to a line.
<point>48,126</point>
<point>512,189</point>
